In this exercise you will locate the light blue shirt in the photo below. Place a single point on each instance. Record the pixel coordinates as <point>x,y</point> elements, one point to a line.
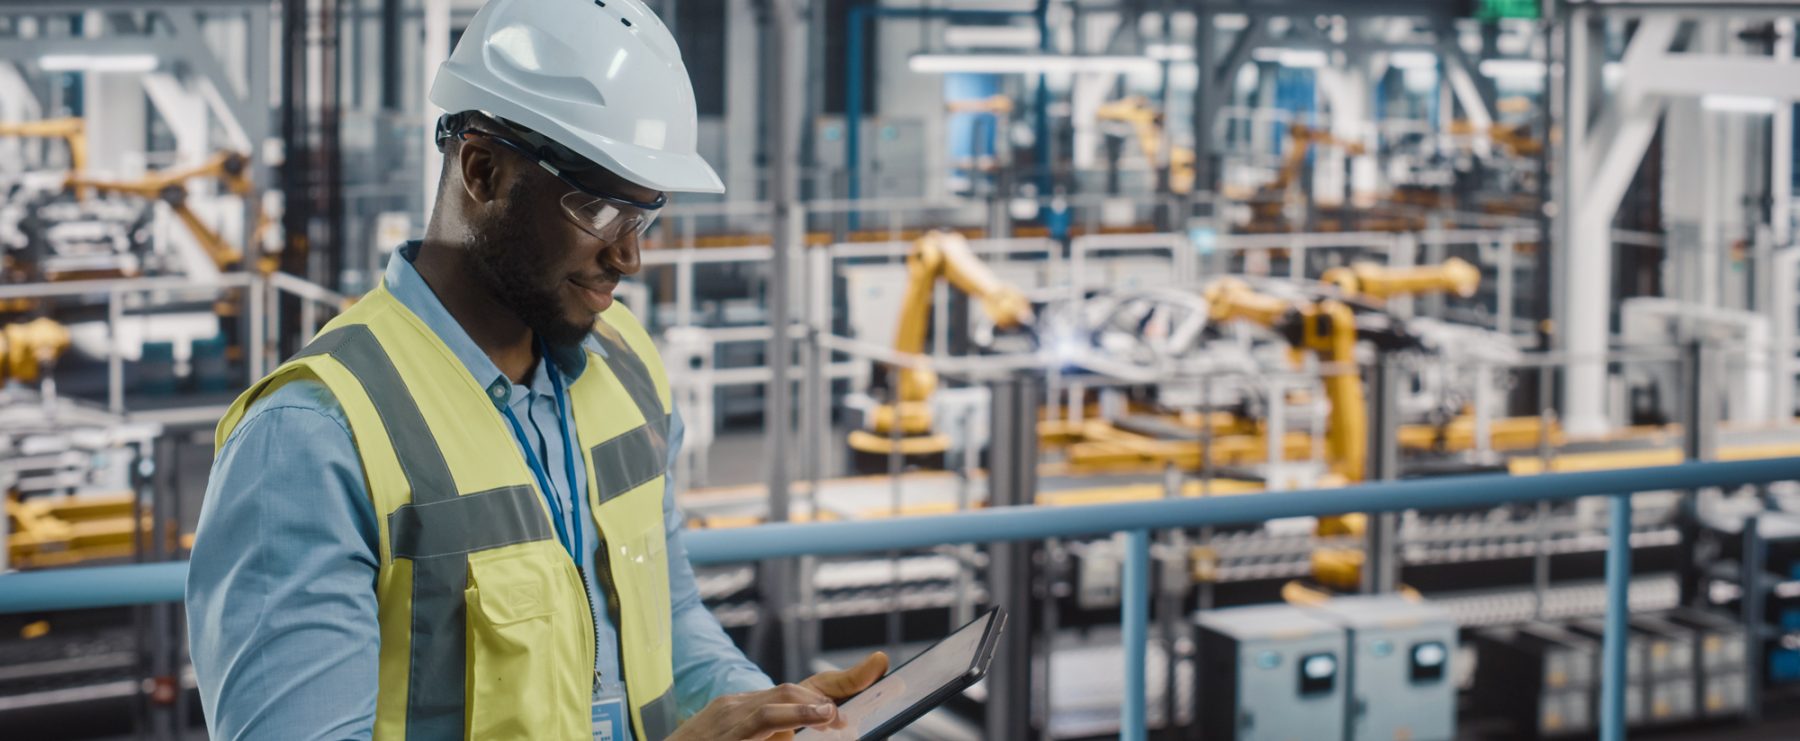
<point>281,606</point>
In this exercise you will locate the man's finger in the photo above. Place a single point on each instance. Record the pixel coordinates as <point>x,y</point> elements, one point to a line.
<point>770,718</point>
<point>841,684</point>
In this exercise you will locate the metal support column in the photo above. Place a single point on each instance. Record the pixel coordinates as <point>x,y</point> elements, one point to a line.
<point>1381,570</point>
<point>1618,581</point>
<point>788,68</point>
<point>1699,434</point>
<point>1012,481</point>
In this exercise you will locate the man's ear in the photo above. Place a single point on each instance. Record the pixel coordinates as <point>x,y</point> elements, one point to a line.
<point>481,170</point>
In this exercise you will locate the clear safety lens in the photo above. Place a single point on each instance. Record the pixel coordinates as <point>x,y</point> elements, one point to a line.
<point>606,219</point>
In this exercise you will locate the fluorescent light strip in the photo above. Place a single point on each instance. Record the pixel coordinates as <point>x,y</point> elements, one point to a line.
<point>1413,60</point>
<point>991,37</point>
<point>1738,104</point>
<point>1032,64</point>
<point>1291,57</point>
<point>1231,21</point>
<point>1170,52</point>
<point>97,63</point>
<point>1513,69</point>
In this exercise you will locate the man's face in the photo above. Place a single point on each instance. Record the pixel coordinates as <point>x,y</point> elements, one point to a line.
<point>552,274</point>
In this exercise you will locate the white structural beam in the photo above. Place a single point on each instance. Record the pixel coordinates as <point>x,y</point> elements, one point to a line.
<point>184,111</point>
<point>1707,74</point>
<point>1603,160</point>
<point>17,103</point>
<point>1781,150</point>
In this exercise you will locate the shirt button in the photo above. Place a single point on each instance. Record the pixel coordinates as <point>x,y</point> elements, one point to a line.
<point>497,391</point>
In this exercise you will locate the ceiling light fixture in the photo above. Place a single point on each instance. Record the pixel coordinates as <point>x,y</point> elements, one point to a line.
<point>1030,64</point>
<point>97,62</point>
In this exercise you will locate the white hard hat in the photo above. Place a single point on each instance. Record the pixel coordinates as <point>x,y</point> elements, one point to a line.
<point>602,78</point>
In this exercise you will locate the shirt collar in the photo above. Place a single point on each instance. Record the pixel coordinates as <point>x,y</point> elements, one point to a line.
<point>411,290</point>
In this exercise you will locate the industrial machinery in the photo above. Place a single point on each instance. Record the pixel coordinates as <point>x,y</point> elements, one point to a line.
<point>26,348</point>
<point>904,424</point>
<point>1401,682</point>
<point>60,460</point>
<point>1271,206</point>
<point>1329,328</point>
<point>1271,672</point>
<point>73,132</point>
<point>1147,125</point>
<point>1516,139</point>
<point>230,169</point>
<point>1539,677</point>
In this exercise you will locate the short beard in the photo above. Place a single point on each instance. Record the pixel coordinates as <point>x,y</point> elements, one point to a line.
<point>514,260</point>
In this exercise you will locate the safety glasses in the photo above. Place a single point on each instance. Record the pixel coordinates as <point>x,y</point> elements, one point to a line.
<point>608,218</point>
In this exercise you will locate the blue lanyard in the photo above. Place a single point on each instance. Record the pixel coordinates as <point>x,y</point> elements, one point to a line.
<point>571,544</point>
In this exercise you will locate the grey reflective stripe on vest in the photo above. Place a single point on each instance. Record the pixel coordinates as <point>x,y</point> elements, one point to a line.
<point>438,656</point>
<point>635,376</point>
<point>469,523</point>
<point>628,461</point>
<point>356,347</point>
<point>659,716</point>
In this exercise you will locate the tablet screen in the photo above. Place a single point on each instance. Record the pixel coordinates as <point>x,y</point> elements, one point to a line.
<point>913,683</point>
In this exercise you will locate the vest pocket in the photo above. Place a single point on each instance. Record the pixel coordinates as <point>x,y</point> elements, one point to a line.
<point>647,553</point>
<point>529,668</point>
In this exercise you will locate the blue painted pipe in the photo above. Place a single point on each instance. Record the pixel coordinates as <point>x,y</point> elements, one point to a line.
<point>1036,523</point>
<point>1135,608</point>
<point>1612,651</point>
<point>98,586</point>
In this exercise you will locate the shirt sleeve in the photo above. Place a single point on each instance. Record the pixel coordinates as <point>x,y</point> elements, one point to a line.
<point>707,663</point>
<point>282,618</point>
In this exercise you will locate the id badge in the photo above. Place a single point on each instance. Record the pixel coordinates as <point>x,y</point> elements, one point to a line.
<point>609,719</point>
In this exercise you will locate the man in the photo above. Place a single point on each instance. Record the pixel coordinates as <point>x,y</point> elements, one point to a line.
<point>449,517</point>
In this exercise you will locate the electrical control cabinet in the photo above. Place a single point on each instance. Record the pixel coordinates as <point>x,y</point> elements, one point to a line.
<point>1400,679</point>
<point>1271,673</point>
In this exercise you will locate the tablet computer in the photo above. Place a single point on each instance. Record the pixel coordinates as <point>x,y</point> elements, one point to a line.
<point>910,691</point>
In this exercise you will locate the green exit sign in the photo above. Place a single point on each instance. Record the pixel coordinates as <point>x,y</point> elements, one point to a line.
<point>1489,10</point>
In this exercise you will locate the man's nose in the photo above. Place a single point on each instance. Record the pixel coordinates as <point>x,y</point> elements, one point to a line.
<point>623,256</point>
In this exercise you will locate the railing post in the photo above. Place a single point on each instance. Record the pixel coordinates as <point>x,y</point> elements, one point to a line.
<point>1618,581</point>
<point>1135,617</point>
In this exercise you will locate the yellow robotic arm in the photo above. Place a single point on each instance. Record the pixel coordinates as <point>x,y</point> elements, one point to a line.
<point>73,131</point>
<point>1147,124</point>
<point>27,347</point>
<point>1327,328</point>
<point>170,186</point>
<point>946,255</point>
<point>1370,280</point>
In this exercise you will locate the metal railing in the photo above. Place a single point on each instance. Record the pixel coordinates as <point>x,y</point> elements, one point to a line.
<point>164,582</point>
<point>257,294</point>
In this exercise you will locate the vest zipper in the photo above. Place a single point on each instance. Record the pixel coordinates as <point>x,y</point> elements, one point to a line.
<point>593,624</point>
<point>603,565</point>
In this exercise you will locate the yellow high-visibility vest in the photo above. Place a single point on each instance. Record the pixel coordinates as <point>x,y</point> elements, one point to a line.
<point>487,630</point>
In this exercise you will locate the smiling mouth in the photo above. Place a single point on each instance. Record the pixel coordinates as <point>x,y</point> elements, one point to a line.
<point>596,292</point>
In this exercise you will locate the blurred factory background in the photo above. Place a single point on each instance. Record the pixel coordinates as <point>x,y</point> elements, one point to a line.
<point>1045,254</point>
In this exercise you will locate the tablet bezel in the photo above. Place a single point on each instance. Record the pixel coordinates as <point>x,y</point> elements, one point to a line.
<point>977,669</point>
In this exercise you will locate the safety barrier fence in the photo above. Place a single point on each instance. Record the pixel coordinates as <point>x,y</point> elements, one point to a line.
<point>163,582</point>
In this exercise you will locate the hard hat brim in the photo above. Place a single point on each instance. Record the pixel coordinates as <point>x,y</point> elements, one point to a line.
<point>651,168</point>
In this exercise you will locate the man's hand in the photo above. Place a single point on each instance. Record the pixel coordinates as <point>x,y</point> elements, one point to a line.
<point>774,714</point>
<point>841,685</point>
<point>755,716</point>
